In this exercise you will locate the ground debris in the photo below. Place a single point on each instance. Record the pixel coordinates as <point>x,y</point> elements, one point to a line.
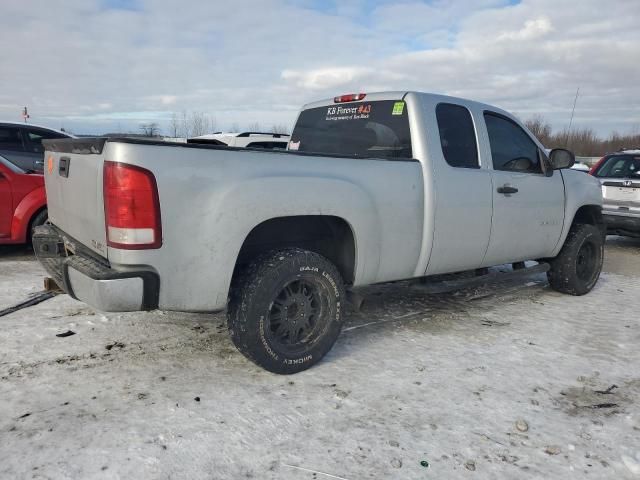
<point>521,425</point>
<point>602,405</point>
<point>494,323</point>
<point>608,391</point>
<point>470,465</point>
<point>119,345</point>
<point>68,333</point>
<point>552,450</point>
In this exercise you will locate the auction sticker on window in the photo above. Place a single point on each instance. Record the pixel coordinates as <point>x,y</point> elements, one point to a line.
<point>398,108</point>
<point>348,112</point>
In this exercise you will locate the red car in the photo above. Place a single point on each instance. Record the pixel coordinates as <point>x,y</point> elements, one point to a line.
<point>23,202</point>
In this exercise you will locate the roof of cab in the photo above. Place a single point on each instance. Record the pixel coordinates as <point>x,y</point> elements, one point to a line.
<point>401,94</point>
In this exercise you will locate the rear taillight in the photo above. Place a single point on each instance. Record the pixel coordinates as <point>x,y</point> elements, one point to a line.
<point>131,207</point>
<point>595,168</point>
<point>352,97</point>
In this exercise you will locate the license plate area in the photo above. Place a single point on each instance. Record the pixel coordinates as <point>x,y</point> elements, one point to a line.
<point>622,194</point>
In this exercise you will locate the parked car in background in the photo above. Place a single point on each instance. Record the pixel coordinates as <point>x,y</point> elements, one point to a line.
<point>581,167</point>
<point>23,203</point>
<point>373,188</point>
<point>21,143</point>
<point>619,175</point>
<point>269,141</point>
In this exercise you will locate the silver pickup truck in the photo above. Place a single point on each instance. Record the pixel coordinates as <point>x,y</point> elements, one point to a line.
<point>373,188</point>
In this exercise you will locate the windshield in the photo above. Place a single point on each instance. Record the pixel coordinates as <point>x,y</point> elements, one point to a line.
<point>364,129</point>
<point>620,166</point>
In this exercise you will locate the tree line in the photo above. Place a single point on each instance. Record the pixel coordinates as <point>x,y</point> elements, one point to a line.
<point>584,142</point>
<point>194,124</point>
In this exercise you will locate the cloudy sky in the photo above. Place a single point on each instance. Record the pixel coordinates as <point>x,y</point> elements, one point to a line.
<point>99,65</point>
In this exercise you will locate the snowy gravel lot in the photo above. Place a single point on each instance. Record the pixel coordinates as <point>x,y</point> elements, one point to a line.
<point>510,380</point>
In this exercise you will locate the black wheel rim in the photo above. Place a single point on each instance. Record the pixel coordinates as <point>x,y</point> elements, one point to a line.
<point>296,316</point>
<point>586,261</point>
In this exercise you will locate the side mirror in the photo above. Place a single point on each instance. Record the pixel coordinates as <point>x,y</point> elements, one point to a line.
<point>561,158</point>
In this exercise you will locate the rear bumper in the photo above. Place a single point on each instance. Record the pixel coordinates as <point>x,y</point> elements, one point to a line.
<point>625,225</point>
<point>90,279</point>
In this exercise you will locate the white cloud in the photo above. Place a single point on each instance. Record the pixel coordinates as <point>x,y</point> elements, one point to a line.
<point>532,29</point>
<point>76,64</point>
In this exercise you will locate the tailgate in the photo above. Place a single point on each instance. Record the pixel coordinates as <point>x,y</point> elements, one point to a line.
<point>73,180</point>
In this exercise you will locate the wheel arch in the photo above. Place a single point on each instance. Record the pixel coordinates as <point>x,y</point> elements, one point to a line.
<point>328,235</point>
<point>32,204</point>
<point>592,215</point>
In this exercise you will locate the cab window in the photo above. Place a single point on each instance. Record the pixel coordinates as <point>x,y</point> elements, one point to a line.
<point>457,136</point>
<point>512,150</point>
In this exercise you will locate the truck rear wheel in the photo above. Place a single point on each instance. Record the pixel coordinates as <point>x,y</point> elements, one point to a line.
<point>285,310</point>
<point>577,267</point>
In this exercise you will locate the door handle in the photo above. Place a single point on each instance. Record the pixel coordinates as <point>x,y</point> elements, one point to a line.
<point>507,189</point>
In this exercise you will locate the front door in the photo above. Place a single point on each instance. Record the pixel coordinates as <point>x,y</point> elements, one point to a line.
<point>528,204</point>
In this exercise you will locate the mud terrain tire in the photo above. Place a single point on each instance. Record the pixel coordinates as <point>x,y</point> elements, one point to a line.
<point>285,309</point>
<point>577,267</point>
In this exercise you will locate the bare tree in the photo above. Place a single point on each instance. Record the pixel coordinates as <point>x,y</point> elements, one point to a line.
<point>184,124</point>
<point>254,127</point>
<point>191,124</point>
<point>280,128</point>
<point>197,124</point>
<point>174,125</point>
<point>150,129</point>
<point>540,128</point>
<point>582,141</point>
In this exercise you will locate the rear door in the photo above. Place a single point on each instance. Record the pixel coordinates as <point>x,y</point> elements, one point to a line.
<point>528,204</point>
<point>462,222</point>
<point>620,178</point>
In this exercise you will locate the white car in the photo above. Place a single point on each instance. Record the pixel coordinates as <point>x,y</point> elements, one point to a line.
<point>581,167</point>
<point>269,141</point>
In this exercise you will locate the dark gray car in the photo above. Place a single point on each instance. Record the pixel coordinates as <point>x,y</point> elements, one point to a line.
<point>21,143</point>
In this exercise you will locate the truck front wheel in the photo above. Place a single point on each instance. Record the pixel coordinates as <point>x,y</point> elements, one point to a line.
<point>577,267</point>
<point>285,310</point>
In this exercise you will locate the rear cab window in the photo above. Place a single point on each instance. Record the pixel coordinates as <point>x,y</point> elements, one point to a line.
<point>377,129</point>
<point>619,166</point>
<point>457,136</point>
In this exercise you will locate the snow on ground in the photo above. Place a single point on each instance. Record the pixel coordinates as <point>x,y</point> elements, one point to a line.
<point>505,381</point>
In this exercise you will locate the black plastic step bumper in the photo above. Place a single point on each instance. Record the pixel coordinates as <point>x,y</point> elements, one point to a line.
<point>92,280</point>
